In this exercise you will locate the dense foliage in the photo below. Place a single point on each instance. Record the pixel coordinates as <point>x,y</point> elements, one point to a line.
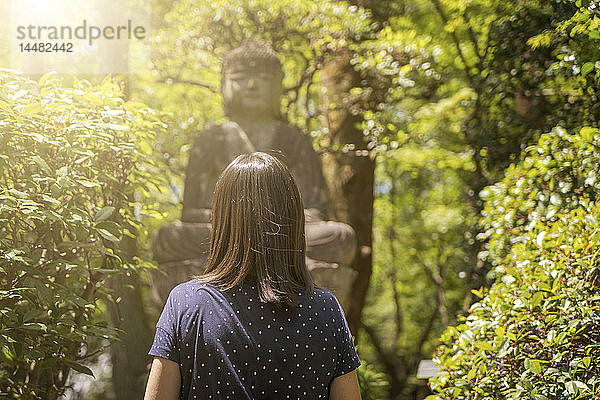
<point>557,175</point>
<point>475,86</point>
<point>534,334</point>
<point>71,163</point>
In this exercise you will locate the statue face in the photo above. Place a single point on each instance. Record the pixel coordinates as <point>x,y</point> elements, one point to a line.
<point>252,93</point>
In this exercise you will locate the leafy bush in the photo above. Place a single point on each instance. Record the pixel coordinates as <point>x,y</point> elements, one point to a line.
<point>557,175</point>
<point>535,333</point>
<point>372,383</point>
<point>71,161</point>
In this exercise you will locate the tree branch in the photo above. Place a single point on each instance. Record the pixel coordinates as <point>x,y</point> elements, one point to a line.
<point>472,37</point>
<point>393,238</point>
<point>170,80</point>
<point>444,17</point>
<point>387,358</point>
<point>441,299</point>
<point>425,333</point>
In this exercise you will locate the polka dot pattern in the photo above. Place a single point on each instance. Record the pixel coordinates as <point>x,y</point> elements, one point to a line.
<point>230,345</point>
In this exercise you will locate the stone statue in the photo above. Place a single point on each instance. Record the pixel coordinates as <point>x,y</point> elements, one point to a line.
<point>251,88</point>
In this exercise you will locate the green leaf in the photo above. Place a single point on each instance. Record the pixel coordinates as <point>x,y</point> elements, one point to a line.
<point>588,133</point>
<point>32,108</point>
<point>35,326</point>
<point>87,184</point>
<point>103,214</point>
<point>44,293</point>
<point>18,193</point>
<point>472,373</point>
<point>42,164</point>
<point>32,314</point>
<point>116,127</point>
<point>107,235</point>
<point>572,387</point>
<point>587,68</point>
<point>504,346</point>
<point>539,240</point>
<point>484,346</point>
<point>110,226</point>
<point>536,299</point>
<point>575,387</point>
<point>535,366</point>
<point>79,368</point>
<point>107,271</point>
<point>586,361</point>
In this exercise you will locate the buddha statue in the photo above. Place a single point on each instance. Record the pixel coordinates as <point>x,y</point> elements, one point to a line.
<point>251,84</point>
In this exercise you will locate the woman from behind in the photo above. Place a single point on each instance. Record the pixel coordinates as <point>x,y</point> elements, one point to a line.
<point>253,326</point>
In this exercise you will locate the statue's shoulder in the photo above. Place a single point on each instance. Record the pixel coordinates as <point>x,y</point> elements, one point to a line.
<point>217,133</point>
<point>212,130</point>
<point>292,134</point>
<point>283,126</point>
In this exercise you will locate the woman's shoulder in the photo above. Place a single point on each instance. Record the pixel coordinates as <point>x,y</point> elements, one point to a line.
<point>322,292</point>
<point>324,295</point>
<point>190,288</point>
<point>193,290</point>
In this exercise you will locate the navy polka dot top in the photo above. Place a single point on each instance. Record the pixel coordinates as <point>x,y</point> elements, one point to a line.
<point>230,345</point>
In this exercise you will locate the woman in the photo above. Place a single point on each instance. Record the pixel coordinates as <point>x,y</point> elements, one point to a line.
<point>253,326</point>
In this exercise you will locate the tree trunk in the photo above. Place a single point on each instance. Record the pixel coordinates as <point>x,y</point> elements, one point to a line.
<point>129,353</point>
<point>350,175</point>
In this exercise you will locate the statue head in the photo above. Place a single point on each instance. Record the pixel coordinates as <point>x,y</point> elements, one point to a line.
<point>251,81</point>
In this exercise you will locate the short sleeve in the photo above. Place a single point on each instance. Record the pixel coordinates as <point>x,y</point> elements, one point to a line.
<point>165,339</point>
<point>347,358</point>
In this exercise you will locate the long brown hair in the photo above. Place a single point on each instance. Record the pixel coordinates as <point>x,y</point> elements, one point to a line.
<point>258,230</point>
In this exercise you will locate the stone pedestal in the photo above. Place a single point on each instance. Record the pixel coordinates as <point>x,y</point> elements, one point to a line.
<point>335,277</point>
<point>181,250</point>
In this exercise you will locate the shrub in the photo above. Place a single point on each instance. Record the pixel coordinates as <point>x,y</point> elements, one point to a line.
<point>71,161</point>
<point>558,174</point>
<point>535,333</point>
